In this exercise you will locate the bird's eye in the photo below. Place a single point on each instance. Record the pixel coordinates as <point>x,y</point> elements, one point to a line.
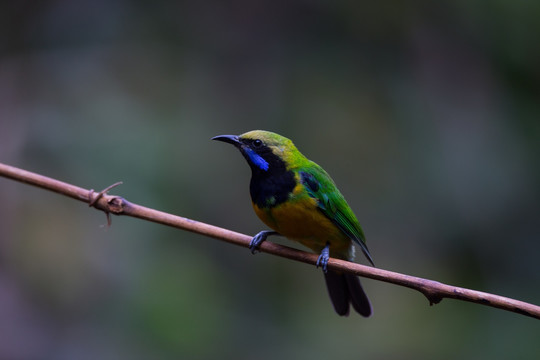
<point>257,143</point>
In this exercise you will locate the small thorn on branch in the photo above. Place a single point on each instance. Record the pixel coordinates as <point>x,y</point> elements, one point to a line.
<point>431,290</point>
<point>433,299</point>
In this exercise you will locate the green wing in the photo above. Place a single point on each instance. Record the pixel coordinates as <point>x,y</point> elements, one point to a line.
<point>330,201</point>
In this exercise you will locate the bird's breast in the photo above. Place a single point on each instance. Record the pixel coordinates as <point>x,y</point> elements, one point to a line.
<point>268,189</point>
<point>300,219</point>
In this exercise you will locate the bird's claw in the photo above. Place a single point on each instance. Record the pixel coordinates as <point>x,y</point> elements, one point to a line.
<point>322,261</point>
<point>255,242</point>
<point>258,240</point>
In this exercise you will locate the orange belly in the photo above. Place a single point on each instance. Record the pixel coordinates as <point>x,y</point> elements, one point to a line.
<point>301,220</point>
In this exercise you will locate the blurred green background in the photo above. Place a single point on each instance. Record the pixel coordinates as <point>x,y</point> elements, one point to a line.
<point>427,115</point>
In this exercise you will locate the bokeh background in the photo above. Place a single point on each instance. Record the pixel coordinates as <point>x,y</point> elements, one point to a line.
<point>425,113</point>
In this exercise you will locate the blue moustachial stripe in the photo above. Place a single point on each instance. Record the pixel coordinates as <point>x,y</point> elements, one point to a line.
<point>257,160</point>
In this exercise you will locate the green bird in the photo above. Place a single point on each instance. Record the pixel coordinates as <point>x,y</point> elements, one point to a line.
<point>297,199</point>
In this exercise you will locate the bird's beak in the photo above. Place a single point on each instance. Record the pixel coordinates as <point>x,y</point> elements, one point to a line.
<point>231,139</point>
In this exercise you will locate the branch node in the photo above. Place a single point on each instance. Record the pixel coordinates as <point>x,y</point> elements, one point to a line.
<point>433,299</point>
<point>116,205</point>
<point>92,201</point>
<point>430,290</point>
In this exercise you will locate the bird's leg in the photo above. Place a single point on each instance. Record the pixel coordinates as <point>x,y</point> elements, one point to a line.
<point>323,258</point>
<point>259,238</point>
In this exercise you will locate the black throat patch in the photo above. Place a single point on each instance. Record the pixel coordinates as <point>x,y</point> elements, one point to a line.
<point>273,186</point>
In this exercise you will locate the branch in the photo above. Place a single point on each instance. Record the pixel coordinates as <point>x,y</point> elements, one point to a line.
<point>433,290</point>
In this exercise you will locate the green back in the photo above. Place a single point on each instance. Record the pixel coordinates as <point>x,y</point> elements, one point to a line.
<point>332,203</point>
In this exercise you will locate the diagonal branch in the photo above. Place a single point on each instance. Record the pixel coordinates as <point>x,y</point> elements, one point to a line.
<point>433,290</point>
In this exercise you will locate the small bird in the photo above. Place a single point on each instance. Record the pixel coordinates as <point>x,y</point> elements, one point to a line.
<point>297,199</point>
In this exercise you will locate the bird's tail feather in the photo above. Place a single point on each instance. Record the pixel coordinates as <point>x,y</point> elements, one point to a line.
<point>345,289</point>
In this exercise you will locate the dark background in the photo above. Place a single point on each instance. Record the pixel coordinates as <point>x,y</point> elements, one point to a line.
<point>425,113</point>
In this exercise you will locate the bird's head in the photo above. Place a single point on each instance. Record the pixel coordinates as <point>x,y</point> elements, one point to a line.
<point>264,150</point>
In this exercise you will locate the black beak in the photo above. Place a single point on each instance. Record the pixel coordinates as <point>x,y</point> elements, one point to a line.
<point>231,139</point>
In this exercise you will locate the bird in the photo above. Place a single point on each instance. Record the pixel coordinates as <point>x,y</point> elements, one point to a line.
<point>297,199</point>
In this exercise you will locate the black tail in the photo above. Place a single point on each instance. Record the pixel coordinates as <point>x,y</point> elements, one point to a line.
<point>344,289</point>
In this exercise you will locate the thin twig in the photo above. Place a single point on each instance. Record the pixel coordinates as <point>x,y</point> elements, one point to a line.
<point>433,290</point>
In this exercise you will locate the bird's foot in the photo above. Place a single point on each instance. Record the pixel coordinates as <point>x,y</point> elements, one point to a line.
<point>259,238</point>
<point>322,261</point>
